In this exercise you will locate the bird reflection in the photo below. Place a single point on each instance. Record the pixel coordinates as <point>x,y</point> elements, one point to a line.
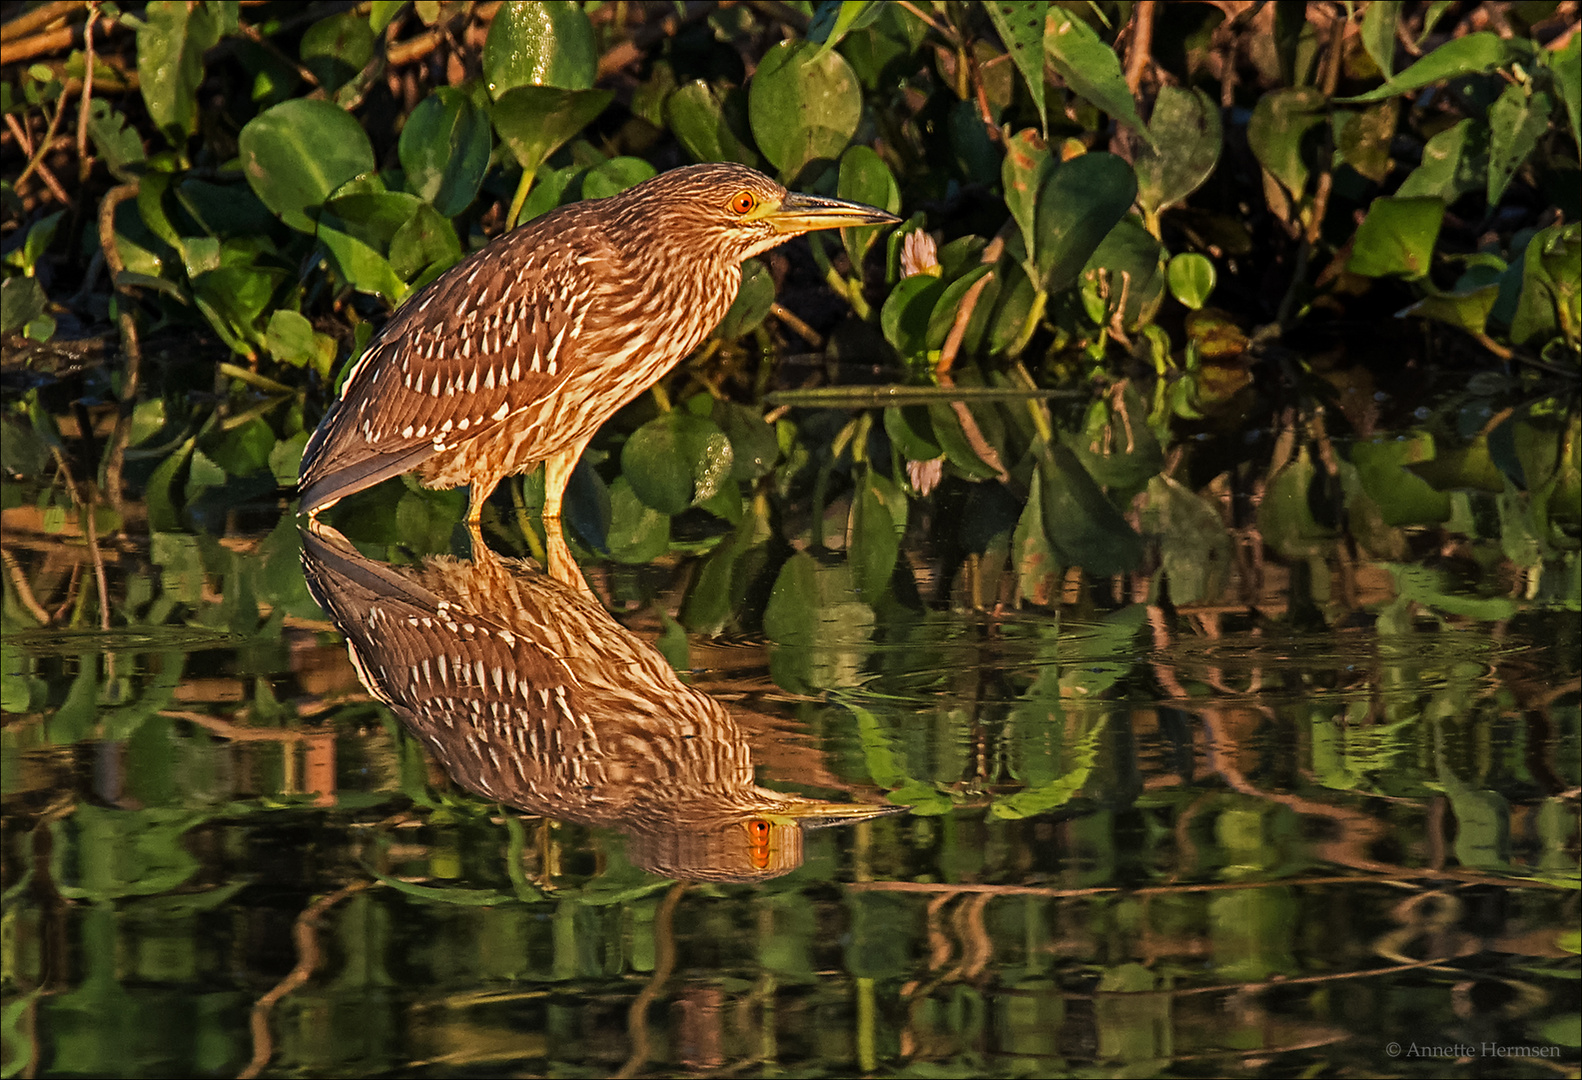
<point>528,693</point>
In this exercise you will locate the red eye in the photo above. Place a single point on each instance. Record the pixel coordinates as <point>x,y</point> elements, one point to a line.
<point>758,831</point>
<point>743,202</point>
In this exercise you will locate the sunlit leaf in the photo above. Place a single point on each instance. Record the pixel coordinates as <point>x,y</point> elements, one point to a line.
<point>542,44</point>
<point>803,111</point>
<point>1021,28</point>
<point>299,152</point>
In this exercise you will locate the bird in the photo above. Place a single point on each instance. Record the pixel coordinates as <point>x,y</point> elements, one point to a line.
<point>521,351</point>
<point>528,693</point>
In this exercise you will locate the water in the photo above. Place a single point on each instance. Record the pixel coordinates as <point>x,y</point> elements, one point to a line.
<point>1142,841</point>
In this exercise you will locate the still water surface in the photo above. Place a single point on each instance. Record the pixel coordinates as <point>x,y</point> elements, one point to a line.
<point>501,836</point>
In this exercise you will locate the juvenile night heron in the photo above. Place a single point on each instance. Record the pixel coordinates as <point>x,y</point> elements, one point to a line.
<point>530,694</point>
<point>518,353</point>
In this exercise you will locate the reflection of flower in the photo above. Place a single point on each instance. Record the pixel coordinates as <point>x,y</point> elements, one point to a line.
<point>925,475</point>
<point>919,255</point>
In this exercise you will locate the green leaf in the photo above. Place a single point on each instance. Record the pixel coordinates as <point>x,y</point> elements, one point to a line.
<point>832,21</point>
<point>676,461</point>
<point>1090,67</point>
<point>701,122</point>
<point>1033,557</point>
<point>445,149</point>
<point>299,152</point>
<point>912,432</point>
<point>638,533</point>
<point>1194,547</point>
<point>1454,162</point>
<point>865,178</point>
<point>1467,309</point>
<point>170,47</point>
<point>753,301</point>
<point>1379,21</point>
<point>1551,296</point>
<point>544,44</point>
<point>285,459</point>
<point>953,441</point>
<point>535,121</point>
<point>1566,64</point>
<point>1083,526</point>
<point>22,300</point>
<point>615,176</point>
<point>116,144</point>
<point>754,447</point>
<point>1285,519</point>
<point>424,246</point>
<point>337,48</point>
<point>1133,263</point>
<point>803,111</point>
<point>1191,279</point>
<point>1516,122</point>
<point>1025,170</point>
<point>1403,497</point>
<point>875,544</point>
<point>1363,139</point>
<point>1186,143</point>
<point>1021,27</point>
<point>948,306</point>
<point>905,316</point>
<point>1397,238</point>
<point>1469,55</point>
<point>289,338</point>
<point>1278,130</point>
<point>1078,206</point>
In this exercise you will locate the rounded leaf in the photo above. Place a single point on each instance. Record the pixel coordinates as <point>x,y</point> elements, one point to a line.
<point>445,150</point>
<point>1077,207</point>
<point>295,154</point>
<point>544,44</point>
<point>803,110</point>
<point>1191,279</point>
<point>676,461</point>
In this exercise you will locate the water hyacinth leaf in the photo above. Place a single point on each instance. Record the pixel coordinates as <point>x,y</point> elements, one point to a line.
<point>444,150</point>
<point>1090,67</point>
<point>906,312</point>
<point>753,301</point>
<point>335,49</point>
<point>1033,559</point>
<point>865,178</point>
<point>943,318</point>
<point>1363,139</point>
<point>1127,272</point>
<point>702,124</point>
<point>1080,203</point>
<point>912,432</point>
<point>424,246</point>
<point>874,545</point>
<point>638,533</point>
<point>1454,162</point>
<point>1566,64</point>
<point>285,460</point>
<point>289,338</point>
<point>803,111</point>
<point>1194,548</point>
<point>1403,497</point>
<point>170,47</point>
<point>1551,296</point>
<point>1397,237</point>
<point>1516,122</point>
<point>1278,131</point>
<point>1379,23</point>
<point>233,298</point>
<point>1021,27</point>
<point>22,300</point>
<point>1083,526</point>
<point>1466,309</point>
<point>535,121</point>
<point>812,610</point>
<point>834,19</point>
<point>1187,137</point>
<point>754,447</point>
<point>298,152</point>
<point>1026,167</point>
<point>1116,447</point>
<point>677,461</point>
<point>954,443</point>
<point>381,12</point>
<point>615,176</point>
<point>1191,279</point>
<point>1285,517</point>
<point>544,44</point>
<point>1469,55</point>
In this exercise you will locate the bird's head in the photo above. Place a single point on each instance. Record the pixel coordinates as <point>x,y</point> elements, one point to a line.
<point>733,212</point>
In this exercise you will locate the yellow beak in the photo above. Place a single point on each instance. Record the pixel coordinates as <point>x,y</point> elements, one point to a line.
<point>798,213</point>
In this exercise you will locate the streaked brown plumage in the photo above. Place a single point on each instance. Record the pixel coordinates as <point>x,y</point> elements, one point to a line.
<point>520,352</point>
<point>529,693</point>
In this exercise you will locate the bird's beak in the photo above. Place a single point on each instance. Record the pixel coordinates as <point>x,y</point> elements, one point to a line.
<point>798,213</point>
<point>813,814</point>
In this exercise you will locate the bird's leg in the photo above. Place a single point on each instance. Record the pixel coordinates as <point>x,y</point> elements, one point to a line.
<point>477,495</point>
<point>557,474</point>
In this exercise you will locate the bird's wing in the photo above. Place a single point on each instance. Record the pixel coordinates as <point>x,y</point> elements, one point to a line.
<point>495,333</point>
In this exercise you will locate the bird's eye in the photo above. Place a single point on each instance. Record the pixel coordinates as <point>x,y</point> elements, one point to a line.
<point>743,202</point>
<point>758,830</point>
